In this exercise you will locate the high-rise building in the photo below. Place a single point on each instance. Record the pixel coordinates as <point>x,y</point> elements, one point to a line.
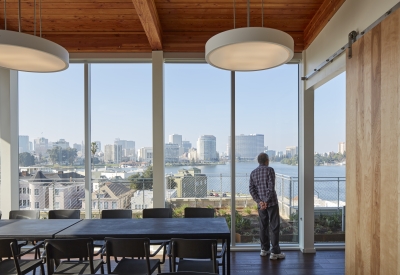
<point>248,146</point>
<point>291,151</point>
<point>41,145</point>
<point>171,152</point>
<point>113,153</point>
<point>77,146</point>
<point>145,154</point>
<point>98,143</point>
<point>23,144</point>
<point>176,139</point>
<point>270,153</point>
<point>186,146</point>
<point>61,143</point>
<point>342,147</point>
<point>206,148</point>
<point>128,147</point>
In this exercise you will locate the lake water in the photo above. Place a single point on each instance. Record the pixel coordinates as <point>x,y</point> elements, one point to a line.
<point>218,178</point>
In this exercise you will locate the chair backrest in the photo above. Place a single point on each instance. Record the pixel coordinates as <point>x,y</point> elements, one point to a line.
<point>157,213</point>
<point>65,214</point>
<point>187,273</point>
<point>194,249</point>
<point>24,214</point>
<point>57,249</point>
<point>194,212</point>
<point>1,213</point>
<point>116,214</point>
<point>6,247</point>
<point>127,247</point>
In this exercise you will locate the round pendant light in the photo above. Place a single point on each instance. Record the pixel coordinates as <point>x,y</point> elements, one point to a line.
<point>30,53</point>
<point>25,52</point>
<point>249,49</point>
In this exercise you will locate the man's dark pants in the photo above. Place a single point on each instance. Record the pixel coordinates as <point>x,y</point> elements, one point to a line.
<point>269,217</point>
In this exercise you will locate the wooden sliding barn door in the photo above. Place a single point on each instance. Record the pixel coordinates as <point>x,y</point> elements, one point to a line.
<point>373,152</point>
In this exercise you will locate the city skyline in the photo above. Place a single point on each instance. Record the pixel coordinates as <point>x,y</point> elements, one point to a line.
<point>121,105</point>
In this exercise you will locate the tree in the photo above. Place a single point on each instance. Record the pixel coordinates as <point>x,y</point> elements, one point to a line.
<point>55,154</point>
<point>94,148</point>
<point>71,154</point>
<point>26,159</point>
<point>59,155</point>
<point>142,181</point>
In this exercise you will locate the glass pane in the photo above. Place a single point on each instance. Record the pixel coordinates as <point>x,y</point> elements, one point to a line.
<point>121,145</point>
<point>267,121</point>
<point>330,161</point>
<point>51,127</point>
<point>197,124</point>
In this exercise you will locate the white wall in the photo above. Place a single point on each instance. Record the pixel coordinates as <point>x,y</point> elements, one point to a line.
<point>352,15</point>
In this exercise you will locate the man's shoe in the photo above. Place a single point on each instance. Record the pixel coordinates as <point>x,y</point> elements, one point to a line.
<point>274,256</point>
<point>264,253</point>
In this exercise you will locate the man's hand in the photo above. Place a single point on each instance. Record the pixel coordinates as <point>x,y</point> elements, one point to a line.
<point>263,205</point>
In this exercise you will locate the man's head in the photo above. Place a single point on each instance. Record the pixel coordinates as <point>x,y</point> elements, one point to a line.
<point>263,158</point>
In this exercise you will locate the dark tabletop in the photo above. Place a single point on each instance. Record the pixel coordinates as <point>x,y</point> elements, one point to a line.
<point>30,230</point>
<point>151,228</point>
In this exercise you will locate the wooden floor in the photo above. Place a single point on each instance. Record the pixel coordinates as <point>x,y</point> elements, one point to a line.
<point>296,263</point>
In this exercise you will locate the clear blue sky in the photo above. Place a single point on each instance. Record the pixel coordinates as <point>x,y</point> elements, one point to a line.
<point>197,102</point>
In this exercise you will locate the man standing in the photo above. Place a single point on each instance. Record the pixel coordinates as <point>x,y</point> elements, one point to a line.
<point>262,189</point>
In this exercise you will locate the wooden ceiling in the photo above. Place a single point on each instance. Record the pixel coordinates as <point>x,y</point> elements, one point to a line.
<point>127,26</point>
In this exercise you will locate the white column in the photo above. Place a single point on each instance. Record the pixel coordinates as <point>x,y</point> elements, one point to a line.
<point>306,166</point>
<point>88,142</point>
<point>9,191</point>
<point>158,130</point>
<point>232,155</point>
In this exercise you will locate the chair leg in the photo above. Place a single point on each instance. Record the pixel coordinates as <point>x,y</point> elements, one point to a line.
<point>42,269</point>
<point>159,269</point>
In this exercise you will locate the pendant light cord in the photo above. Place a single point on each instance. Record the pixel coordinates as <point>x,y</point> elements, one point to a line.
<point>40,17</point>
<point>234,14</point>
<point>34,18</point>
<point>248,13</point>
<point>19,15</point>
<point>262,13</point>
<point>5,14</point>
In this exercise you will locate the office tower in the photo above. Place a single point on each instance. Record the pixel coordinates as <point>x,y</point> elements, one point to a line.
<point>61,143</point>
<point>248,146</point>
<point>41,145</point>
<point>145,154</point>
<point>176,139</point>
<point>206,148</point>
<point>270,153</point>
<point>77,146</point>
<point>98,143</point>
<point>23,144</point>
<point>186,146</point>
<point>342,147</point>
<point>291,151</point>
<point>112,153</point>
<point>171,152</point>
<point>128,147</point>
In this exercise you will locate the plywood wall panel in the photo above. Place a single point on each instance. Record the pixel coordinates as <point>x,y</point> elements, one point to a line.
<point>373,152</point>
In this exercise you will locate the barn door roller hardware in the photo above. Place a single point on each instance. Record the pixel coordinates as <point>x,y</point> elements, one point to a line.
<point>352,39</point>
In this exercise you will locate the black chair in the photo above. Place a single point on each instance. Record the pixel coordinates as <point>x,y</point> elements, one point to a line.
<point>158,213</point>
<point>187,273</point>
<point>125,247</point>
<point>80,249</point>
<point>25,214</point>
<point>116,214</point>
<point>194,212</point>
<point>189,251</point>
<point>16,266</point>
<point>64,214</point>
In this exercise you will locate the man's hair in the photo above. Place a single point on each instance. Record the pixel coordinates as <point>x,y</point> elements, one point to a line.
<point>262,158</point>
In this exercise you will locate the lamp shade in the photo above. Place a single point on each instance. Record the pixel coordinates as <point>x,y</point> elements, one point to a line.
<point>249,49</point>
<point>29,53</point>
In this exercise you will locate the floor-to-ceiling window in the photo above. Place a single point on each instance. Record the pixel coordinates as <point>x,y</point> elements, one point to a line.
<point>330,161</point>
<point>51,131</point>
<point>197,125</point>
<point>267,121</point>
<point>121,133</point>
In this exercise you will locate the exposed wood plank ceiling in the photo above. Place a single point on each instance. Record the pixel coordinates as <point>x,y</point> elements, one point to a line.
<point>171,25</point>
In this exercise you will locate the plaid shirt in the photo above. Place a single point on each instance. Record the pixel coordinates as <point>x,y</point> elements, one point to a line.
<point>262,185</point>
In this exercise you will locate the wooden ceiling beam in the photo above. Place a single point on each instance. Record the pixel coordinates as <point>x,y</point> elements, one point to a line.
<point>147,12</point>
<point>320,19</point>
